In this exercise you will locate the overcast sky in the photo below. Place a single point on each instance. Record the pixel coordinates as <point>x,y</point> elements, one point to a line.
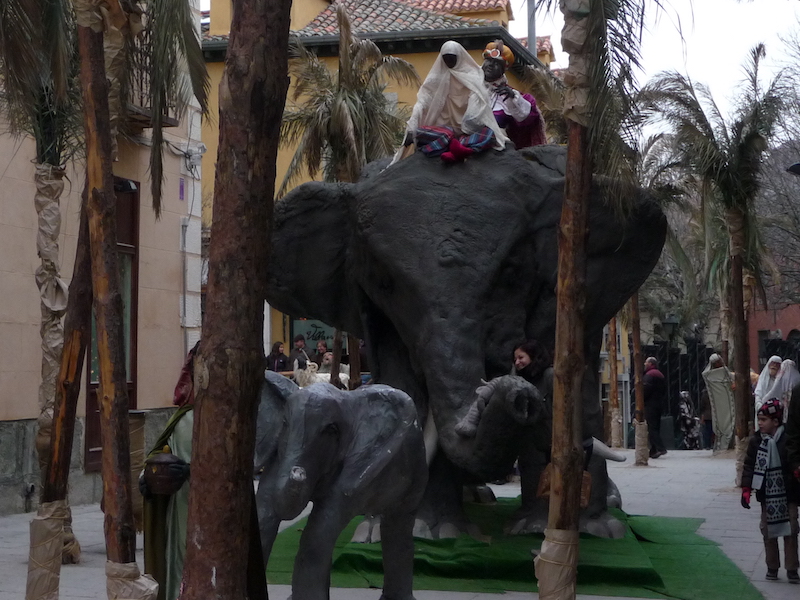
<point>717,36</point>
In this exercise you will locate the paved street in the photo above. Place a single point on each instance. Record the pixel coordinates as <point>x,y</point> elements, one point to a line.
<point>680,484</point>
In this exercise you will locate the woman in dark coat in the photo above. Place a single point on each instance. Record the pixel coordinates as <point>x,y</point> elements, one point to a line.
<point>277,360</point>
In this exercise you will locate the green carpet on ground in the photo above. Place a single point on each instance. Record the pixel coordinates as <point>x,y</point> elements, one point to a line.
<point>659,557</point>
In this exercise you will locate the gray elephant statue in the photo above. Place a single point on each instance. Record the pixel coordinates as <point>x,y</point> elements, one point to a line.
<point>349,453</point>
<point>442,269</point>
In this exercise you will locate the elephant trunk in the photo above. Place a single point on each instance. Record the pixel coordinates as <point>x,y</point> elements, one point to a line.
<point>454,366</point>
<point>294,493</point>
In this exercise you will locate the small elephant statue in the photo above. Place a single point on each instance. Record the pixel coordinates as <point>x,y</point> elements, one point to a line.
<point>350,453</point>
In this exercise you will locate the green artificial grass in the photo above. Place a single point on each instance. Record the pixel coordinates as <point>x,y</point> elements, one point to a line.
<point>659,557</point>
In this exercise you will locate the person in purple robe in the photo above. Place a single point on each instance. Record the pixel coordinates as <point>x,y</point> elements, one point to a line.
<point>515,112</point>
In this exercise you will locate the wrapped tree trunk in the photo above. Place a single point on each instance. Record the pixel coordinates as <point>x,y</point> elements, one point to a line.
<point>49,181</point>
<point>230,365</point>
<point>642,441</point>
<point>613,394</point>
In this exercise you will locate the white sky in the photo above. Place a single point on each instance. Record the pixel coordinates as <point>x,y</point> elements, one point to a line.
<point>718,35</point>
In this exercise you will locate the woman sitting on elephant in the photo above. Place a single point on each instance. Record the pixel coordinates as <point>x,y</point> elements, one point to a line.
<point>452,117</point>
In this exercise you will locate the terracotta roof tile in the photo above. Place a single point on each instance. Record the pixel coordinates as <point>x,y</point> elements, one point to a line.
<point>375,16</point>
<point>543,43</point>
<point>459,6</point>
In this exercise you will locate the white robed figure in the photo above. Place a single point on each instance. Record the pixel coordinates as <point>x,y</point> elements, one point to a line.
<point>769,374</point>
<point>453,96</point>
<point>788,377</point>
<point>719,383</point>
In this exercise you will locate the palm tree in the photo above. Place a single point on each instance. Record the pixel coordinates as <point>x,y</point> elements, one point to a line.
<point>725,155</point>
<point>344,121</point>
<point>602,39</point>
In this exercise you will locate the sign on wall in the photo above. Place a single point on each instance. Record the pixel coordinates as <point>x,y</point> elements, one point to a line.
<point>315,331</point>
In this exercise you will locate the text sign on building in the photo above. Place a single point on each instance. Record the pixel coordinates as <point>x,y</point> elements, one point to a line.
<point>315,331</point>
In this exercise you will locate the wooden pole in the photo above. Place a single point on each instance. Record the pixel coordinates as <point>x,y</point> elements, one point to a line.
<point>642,454</point>
<point>613,393</point>
<point>230,365</point>
<point>741,363</point>
<point>567,450</point>
<point>120,532</point>
<point>354,352</point>
<point>337,358</point>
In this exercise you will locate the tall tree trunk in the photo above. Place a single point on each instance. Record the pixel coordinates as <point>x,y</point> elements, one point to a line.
<point>742,398</point>
<point>337,359</point>
<point>613,393</point>
<point>642,442</point>
<point>567,449</point>
<point>353,351</point>
<point>230,365</point>
<point>120,532</point>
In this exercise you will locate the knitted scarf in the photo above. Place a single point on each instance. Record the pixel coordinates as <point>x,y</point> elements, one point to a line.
<point>768,472</point>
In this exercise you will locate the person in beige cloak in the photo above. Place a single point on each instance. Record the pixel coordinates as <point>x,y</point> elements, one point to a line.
<point>453,116</point>
<point>719,385</point>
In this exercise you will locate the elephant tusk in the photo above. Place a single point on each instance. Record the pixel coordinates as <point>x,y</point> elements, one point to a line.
<point>430,437</point>
<point>298,474</point>
<point>603,451</point>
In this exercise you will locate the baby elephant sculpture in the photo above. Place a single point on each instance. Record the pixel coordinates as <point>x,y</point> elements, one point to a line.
<point>350,453</point>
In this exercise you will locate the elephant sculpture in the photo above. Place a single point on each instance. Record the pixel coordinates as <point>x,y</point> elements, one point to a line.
<point>350,453</point>
<point>442,269</point>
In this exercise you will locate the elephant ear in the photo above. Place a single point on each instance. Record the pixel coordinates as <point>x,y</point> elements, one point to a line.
<point>275,390</point>
<point>387,420</point>
<point>311,240</point>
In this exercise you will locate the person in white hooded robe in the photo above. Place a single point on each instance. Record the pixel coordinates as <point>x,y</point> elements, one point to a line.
<point>788,377</point>
<point>769,374</point>
<point>452,117</point>
<point>719,384</point>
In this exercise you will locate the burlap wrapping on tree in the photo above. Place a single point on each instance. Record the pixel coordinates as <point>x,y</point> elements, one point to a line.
<point>642,445</point>
<point>556,565</point>
<point>124,581</point>
<point>44,557</point>
<point>616,428</point>
<point>49,181</point>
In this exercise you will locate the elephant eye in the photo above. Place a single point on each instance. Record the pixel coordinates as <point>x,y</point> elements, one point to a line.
<point>331,429</point>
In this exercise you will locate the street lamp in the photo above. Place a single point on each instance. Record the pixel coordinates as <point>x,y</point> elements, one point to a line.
<point>668,325</point>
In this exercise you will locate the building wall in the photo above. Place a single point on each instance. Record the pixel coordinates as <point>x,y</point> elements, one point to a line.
<point>774,324</point>
<point>20,316</point>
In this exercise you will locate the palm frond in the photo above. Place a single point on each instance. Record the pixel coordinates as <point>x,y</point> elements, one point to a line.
<point>171,49</point>
<point>38,71</point>
<point>341,121</point>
